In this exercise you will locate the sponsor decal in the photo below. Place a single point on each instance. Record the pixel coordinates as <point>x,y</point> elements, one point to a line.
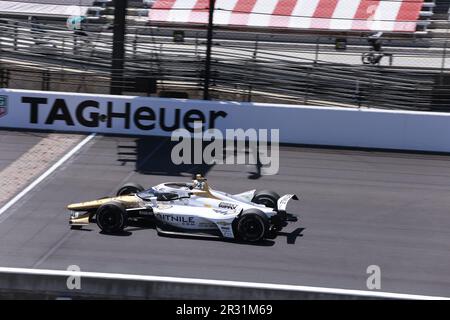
<point>95,114</point>
<point>221,211</point>
<point>206,225</point>
<point>226,205</point>
<point>184,220</point>
<point>222,223</point>
<point>226,230</point>
<point>164,206</point>
<point>283,201</point>
<point>3,106</point>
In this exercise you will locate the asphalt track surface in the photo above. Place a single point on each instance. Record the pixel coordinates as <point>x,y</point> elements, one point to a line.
<point>356,208</point>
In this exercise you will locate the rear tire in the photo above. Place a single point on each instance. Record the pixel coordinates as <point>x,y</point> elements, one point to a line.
<point>129,188</point>
<point>266,197</point>
<point>112,217</point>
<point>251,226</point>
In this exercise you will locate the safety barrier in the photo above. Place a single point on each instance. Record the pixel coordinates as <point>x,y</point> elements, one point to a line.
<point>58,284</point>
<point>316,69</point>
<point>130,115</point>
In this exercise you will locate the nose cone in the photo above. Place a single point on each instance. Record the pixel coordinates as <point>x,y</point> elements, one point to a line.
<point>127,201</point>
<point>89,205</point>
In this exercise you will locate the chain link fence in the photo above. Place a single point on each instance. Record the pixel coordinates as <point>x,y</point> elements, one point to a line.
<point>307,68</point>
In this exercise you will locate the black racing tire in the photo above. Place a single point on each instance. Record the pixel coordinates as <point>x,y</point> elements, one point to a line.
<point>111,217</point>
<point>266,197</point>
<point>251,226</point>
<point>129,188</point>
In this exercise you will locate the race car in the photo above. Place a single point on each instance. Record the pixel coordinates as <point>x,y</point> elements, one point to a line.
<point>189,208</point>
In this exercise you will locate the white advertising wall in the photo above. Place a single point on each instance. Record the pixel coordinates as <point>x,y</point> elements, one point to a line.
<point>369,128</point>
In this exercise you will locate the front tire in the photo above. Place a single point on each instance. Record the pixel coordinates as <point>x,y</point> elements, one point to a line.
<point>111,217</point>
<point>251,226</point>
<point>266,197</point>
<point>129,188</point>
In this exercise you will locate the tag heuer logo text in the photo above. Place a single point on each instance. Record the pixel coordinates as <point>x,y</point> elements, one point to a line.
<point>3,105</point>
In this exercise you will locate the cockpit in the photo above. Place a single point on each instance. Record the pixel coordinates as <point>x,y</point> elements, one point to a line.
<point>175,190</point>
<point>199,183</point>
<point>160,196</point>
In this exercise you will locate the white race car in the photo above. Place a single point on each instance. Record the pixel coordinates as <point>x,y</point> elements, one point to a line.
<point>180,208</point>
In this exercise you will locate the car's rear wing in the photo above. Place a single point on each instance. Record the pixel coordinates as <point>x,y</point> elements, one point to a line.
<point>283,201</point>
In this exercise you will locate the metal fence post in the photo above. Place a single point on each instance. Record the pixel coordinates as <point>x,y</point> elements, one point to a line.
<point>118,54</point>
<point>358,93</point>
<point>371,95</point>
<point>7,77</point>
<point>306,92</point>
<point>206,95</point>
<point>444,56</point>
<point>1,69</point>
<point>135,40</point>
<point>46,80</point>
<point>16,34</point>
<point>75,44</point>
<point>317,50</point>
<point>196,44</point>
<point>4,77</point>
<point>254,63</point>
<point>63,56</point>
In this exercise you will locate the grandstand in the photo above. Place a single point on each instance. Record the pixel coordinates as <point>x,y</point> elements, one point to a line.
<point>336,15</point>
<point>247,62</point>
<point>44,8</point>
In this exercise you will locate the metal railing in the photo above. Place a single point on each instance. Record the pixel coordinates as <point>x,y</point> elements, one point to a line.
<point>306,69</point>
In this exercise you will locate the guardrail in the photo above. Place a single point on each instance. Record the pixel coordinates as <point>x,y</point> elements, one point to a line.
<point>53,284</point>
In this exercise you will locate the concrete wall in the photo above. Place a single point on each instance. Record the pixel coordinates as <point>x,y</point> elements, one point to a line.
<point>367,128</point>
<point>52,284</point>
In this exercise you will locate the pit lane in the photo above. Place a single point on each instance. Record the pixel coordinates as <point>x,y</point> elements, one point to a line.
<point>356,208</point>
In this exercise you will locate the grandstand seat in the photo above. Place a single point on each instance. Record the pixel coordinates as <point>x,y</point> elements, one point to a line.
<point>45,8</point>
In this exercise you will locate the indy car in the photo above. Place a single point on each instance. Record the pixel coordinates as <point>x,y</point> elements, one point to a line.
<point>193,208</point>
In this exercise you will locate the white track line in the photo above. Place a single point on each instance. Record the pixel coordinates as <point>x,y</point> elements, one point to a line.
<point>236,284</point>
<point>52,169</point>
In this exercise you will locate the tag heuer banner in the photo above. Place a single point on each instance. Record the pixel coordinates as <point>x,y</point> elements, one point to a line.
<point>298,124</point>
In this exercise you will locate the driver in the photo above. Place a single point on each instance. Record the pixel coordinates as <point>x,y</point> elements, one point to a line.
<point>200,182</point>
